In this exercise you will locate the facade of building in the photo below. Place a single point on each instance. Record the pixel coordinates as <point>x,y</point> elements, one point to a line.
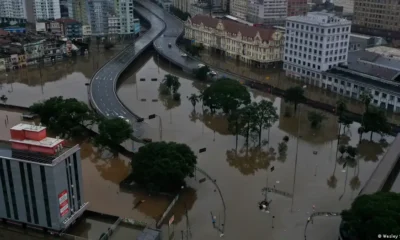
<point>239,8</point>
<point>113,25</point>
<point>41,180</point>
<point>267,12</point>
<point>315,43</point>
<point>34,51</point>
<point>367,71</point>
<point>80,11</point>
<point>98,12</point>
<point>86,30</point>
<point>47,9</point>
<point>2,63</point>
<point>253,45</point>
<point>297,7</point>
<point>66,9</point>
<point>383,15</point>
<point>55,28</point>
<point>40,26</point>
<point>183,5</point>
<point>13,9</point>
<point>124,9</point>
<point>71,28</point>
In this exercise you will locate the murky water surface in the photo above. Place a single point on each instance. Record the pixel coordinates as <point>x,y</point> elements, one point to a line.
<point>321,183</point>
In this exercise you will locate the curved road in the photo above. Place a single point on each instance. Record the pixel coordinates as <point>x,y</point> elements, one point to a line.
<point>102,89</point>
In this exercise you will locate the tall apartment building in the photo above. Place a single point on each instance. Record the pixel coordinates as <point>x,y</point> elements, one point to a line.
<point>315,43</point>
<point>267,12</point>
<point>297,7</point>
<point>12,9</point>
<point>41,180</point>
<point>98,13</point>
<point>124,10</point>
<point>47,9</point>
<point>239,8</point>
<point>80,11</point>
<point>383,15</point>
<point>66,9</point>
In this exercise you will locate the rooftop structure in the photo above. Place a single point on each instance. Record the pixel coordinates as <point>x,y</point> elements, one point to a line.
<point>46,169</point>
<point>320,18</point>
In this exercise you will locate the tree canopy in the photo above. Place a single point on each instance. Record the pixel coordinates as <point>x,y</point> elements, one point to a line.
<point>263,116</point>
<point>162,166</point>
<point>371,215</point>
<point>375,120</point>
<point>172,83</point>
<point>67,117</point>
<point>295,95</point>
<point>113,132</point>
<point>225,94</point>
<point>202,73</point>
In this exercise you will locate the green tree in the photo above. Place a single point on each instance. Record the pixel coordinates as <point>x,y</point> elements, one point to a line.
<point>371,215</point>
<point>171,82</point>
<point>316,119</point>
<point>263,117</point>
<point>226,94</point>
<point>375,121</point>
<point>194,99</point>
<point>113,132</point>
<point>246,117</point>
<point>202,73</point>
<point>366,97</point>
<point>236,123</point>
<point>294,95</point>
<point>163,166</point>
<point>66,117</point>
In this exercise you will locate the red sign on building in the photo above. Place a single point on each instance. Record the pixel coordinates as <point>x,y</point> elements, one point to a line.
<point>63,201</point>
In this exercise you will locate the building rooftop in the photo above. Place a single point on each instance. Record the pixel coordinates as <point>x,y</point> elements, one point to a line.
<point>389,52</point>
<point>320,18</point>
<point>45,142</point>
<point>28,127</point>
<point>7,152</point>
<point>233,27</point>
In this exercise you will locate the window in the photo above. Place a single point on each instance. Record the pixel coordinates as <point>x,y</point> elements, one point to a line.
<point>45,195</point>
<point>77,182</point>
<point>12,191</point>
<point>5,193</point>
<point>33,196</point>
<point>376,93</point>
<point>25,192</point>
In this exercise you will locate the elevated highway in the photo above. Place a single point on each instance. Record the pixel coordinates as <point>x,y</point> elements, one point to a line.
<point>102,88</point>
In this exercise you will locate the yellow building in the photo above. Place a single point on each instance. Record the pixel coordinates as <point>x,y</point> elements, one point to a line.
<point>253,45</point>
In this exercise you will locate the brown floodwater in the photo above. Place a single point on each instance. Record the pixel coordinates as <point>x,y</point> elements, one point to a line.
<point>67,78</point>
<point>241,173</point>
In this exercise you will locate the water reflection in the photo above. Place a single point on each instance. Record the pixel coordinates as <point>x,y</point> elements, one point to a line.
<point>369,150</point>
<point>248,160</point>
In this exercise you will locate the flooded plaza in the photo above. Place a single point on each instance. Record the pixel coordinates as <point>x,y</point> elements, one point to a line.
<point>321,183</point>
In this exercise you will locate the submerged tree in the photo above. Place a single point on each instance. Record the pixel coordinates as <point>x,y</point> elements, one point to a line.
<point>316,119</point>
<point>295,95</point>
<point>263,117</point>
<point>194,99</point>
<point>172,83</point>
<point>375,121</point>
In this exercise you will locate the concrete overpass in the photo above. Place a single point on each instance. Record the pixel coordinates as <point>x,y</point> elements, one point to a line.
<point>102,89</point>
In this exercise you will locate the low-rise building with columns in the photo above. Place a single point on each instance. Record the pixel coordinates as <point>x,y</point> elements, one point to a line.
<point>253,45</point>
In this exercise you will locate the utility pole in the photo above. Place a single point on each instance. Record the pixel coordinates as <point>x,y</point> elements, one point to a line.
<point>188,231</point>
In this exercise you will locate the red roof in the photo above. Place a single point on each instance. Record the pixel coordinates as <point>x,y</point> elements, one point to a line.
<point>3,33</point>
<point>234,27</point>
<point>66,20</point>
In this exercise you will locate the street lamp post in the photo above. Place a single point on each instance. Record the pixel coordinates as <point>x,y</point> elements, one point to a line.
<point>297,151</point>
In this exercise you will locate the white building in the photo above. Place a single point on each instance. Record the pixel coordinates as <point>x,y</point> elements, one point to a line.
<point>12,9</point>
<point>315,43</point>
<point>113,25</point>
<point>98,14</point>
<point>124,10</point>
<point>267,12</point>
<point>239,8</point>
<point>86,30</point>
<point>47,9</point>
<point>66,9</point>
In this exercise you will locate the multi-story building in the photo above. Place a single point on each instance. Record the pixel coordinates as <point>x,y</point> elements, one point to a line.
<point>55,28</point>
<point>253,45</point>
<point>98,12</point>
<point>2,63</point>
<point>12,9</point>
<point>80,11</point>
<point>66,9</point>
<point>315,43</point>
<point>124,10</point>
<point>47,9</point>
<point>183,5</point>
<point>267,12</point>
<point>70,28</point>
<point>86,30</point>
<point>113,25</point>
<point>382,15</point>
<point>297,7</point>
<point>239,8</point>
<point>41,180</point>
<point>33,51</point>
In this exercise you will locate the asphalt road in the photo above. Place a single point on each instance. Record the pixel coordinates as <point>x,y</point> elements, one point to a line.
<point>102,89</point>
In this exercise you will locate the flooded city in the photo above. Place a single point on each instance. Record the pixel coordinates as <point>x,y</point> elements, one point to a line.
<point>317,183</point>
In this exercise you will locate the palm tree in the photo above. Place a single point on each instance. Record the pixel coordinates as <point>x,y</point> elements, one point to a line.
<point>194,99</point>
<point>366,97</point>
<point>295,95</point>
<point>360,132</point>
